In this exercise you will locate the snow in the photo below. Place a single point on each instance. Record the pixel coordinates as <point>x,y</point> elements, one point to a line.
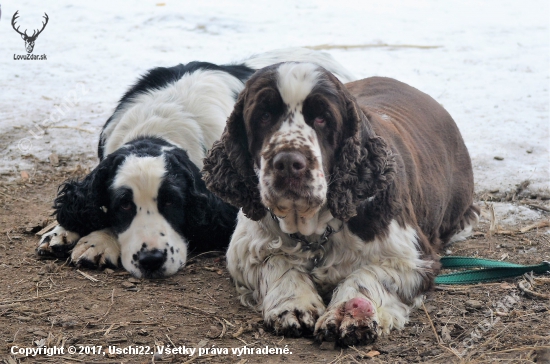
<point>508,215</point>
<point>488,65</point>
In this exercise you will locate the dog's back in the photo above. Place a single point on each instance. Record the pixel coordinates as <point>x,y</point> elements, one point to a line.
<point>430,153</point>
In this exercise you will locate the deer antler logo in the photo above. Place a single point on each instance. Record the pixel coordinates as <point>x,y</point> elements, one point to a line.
<point>29,40</point>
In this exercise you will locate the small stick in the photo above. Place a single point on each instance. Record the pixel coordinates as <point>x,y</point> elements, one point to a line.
<point>47,228</point>
<point>109,330</point>
<point>128,323</point>
<point>37,297</point>
<point>73,359</point>
<point>108,310</point>
<point>431,324</point>
<point>522,286</point>
<point>168,337</point>
<point>338,357</point>
<point>10,305</point>
<point>537,225</point>
<point>487,342</point>
<point>522,349</point>
<point>535,206</point>
<point>435,333</point>
<point>227,322</point>
<point>72,127</point>
<point>196,309</point>
<point>88,276</point>
<point>212,251</point>
<point>195,357</point>
<point>224,327</point>
<point>241,340</point>
<point>238,333</point>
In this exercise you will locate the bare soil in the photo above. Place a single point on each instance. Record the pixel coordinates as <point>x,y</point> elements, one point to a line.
<point>47,302</point>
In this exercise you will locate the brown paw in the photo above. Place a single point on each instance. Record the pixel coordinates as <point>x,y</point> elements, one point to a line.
<point>350,323</point>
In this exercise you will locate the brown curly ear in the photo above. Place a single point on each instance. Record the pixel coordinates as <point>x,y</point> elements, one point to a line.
<point>228,170</point>
<point>363,166</point>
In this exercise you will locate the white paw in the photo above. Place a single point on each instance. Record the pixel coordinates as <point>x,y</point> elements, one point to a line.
<point>354,322</point>
<point>98,249</point>
<point>57,243</point>
<point>294,316</point>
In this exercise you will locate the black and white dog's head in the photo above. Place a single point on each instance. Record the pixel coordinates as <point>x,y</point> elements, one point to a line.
<point>152,197</point>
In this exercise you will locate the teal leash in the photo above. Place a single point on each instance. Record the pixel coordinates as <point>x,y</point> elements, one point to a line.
<point>491,270</point>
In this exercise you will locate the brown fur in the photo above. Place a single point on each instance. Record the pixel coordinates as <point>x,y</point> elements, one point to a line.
<point>412,162</point>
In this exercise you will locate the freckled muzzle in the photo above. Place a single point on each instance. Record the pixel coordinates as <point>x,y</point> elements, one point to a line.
<point>291,173</point>
<point>290,180</point>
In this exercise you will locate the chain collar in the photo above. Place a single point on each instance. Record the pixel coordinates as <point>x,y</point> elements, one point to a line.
<point>316,247</point>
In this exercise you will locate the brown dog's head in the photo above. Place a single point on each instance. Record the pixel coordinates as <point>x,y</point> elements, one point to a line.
<point>297,140</point>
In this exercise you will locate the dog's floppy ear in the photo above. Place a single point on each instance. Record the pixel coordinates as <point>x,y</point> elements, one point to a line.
<point>364,164</point>
<point>228,168</point>
<point>81,205</point>
<point>207,208</point>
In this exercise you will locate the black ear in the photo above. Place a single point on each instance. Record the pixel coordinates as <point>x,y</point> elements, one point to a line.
<point>81,205</point>
<point>228,168</point>
<point>196,193</point>
<point>208,220</point>
<point>364,165</point>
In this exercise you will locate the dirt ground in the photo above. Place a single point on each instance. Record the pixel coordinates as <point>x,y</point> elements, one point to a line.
<point>47,302</point>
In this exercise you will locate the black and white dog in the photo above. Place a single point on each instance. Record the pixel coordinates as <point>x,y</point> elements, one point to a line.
<point>145,204</point>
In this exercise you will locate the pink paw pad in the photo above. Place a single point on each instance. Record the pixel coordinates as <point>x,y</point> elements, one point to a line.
<point>359,308</point>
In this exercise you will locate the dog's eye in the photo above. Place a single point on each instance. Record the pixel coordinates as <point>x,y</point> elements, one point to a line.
<point>126,206</point>
<point>168,203</point>
<point>320,121</point>
<point>265,117</point>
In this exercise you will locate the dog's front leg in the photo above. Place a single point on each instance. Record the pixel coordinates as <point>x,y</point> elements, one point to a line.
<point>57,243</point>
<point>372,300</point>
<point>271,282</point>
<point>99,249</point>
<point>289,301</point>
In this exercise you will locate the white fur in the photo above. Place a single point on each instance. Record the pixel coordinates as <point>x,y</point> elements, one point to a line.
<point>268,268</point>
<point>100,247</point>
<point>143,175</point>
<point>58,236</point>
<point>323,59</point>
<point>189,113</point>
<point>466,232</point>
<point>295,83</point>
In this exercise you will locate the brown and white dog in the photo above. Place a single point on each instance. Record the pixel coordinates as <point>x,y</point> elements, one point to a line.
<point>347,194</point>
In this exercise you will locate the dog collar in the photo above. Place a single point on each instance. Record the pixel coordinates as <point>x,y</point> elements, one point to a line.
<point>316,247</point>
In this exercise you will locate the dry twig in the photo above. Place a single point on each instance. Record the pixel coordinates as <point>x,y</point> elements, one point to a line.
<point>88,276</point>
<point>37,297</point>
<point>525,286</point>
<point>47,228</point>
<point>537,225</point>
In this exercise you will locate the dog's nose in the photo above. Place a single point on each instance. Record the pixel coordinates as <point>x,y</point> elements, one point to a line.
<point>152,260</point>
<point>291,163</point>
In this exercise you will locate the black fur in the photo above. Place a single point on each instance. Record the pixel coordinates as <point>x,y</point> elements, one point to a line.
<point>183,199</point>
<point>203,218</point>
<point>228,168</point>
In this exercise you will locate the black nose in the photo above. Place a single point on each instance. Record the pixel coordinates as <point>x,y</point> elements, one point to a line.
<point>151,260</point>
<point>290,164</point>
